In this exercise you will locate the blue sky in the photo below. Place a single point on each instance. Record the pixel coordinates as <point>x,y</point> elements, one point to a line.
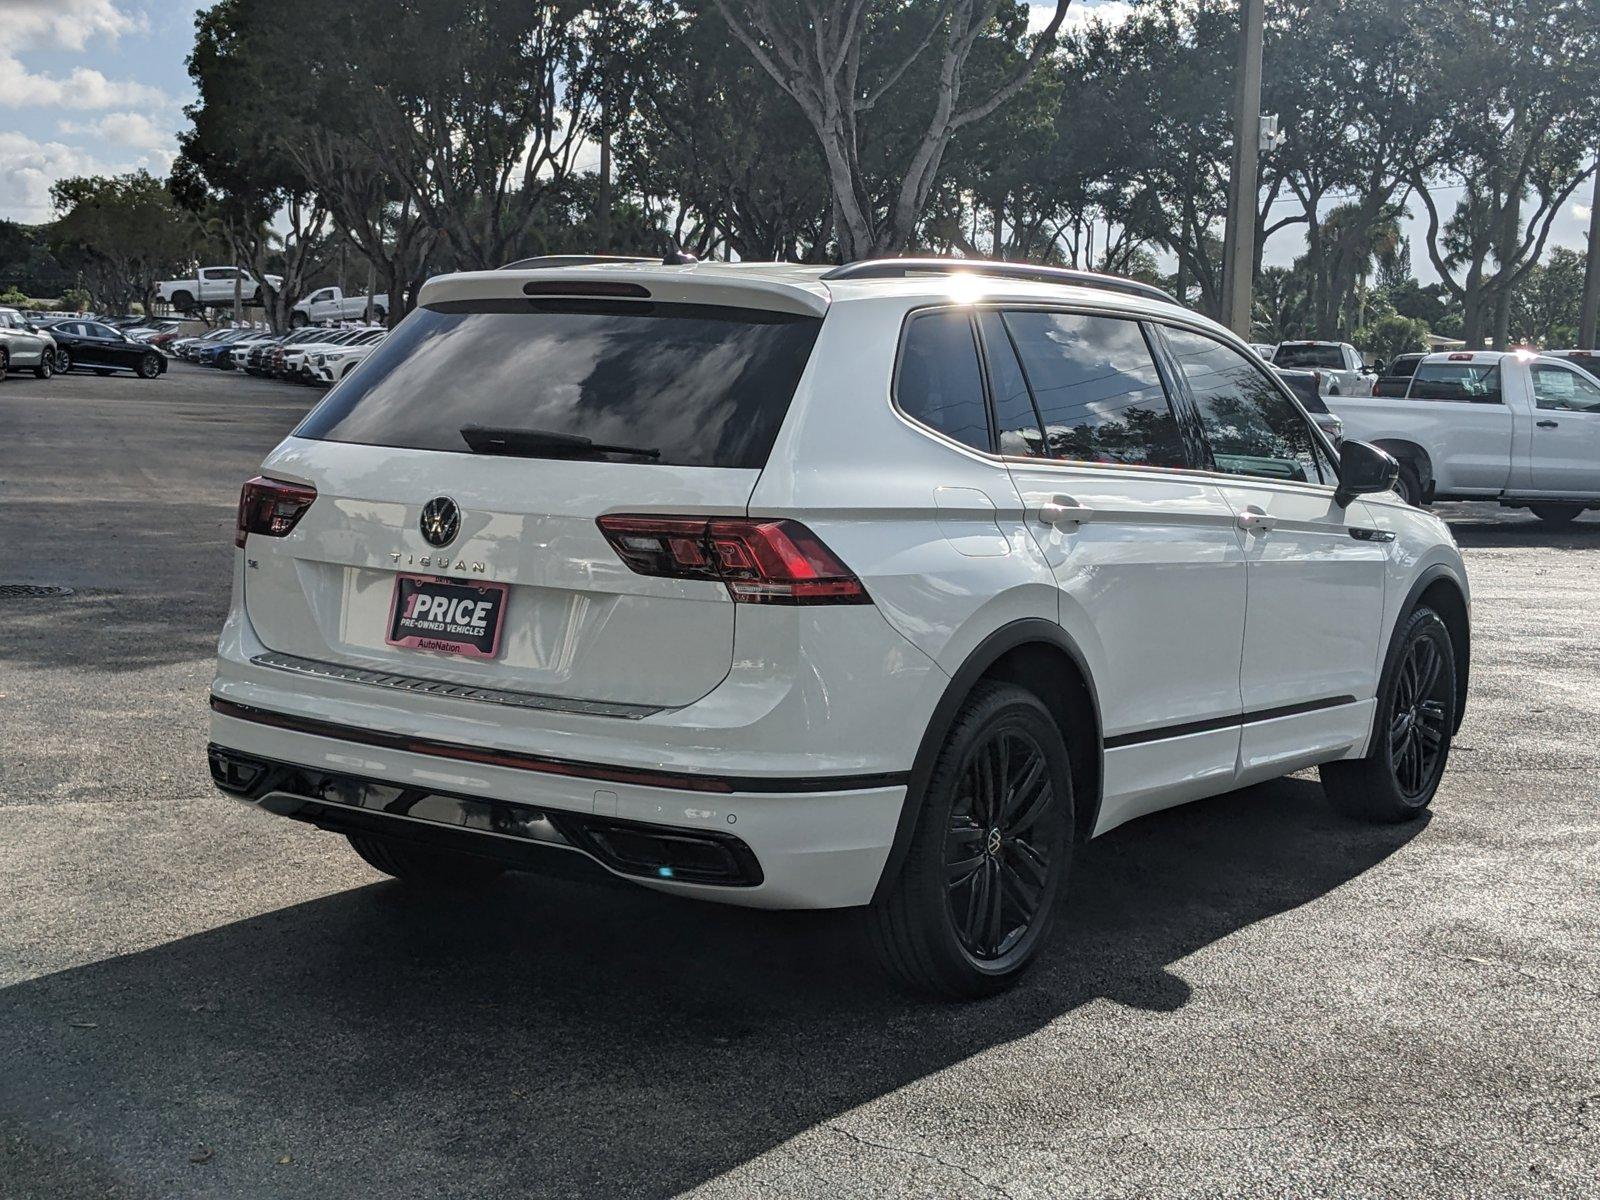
<point>98,87</point>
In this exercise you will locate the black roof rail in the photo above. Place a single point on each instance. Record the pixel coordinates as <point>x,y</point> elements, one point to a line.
<point>542,262</point>
<point>901,268</point>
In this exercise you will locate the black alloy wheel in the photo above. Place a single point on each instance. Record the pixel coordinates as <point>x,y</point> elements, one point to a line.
<point>149,366</point>
<point>1413,728</point>
<point>1418,719</point>
<point>996,864</point>
<point>63,360</point>
<point>974,899</point>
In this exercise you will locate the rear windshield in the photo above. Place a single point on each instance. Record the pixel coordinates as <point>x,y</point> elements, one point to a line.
<point>1476,383</point>
<point>1331,357</point>
<point>706,386</point>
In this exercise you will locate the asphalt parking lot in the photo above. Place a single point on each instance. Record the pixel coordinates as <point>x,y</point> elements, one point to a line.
<point>1250,996</point>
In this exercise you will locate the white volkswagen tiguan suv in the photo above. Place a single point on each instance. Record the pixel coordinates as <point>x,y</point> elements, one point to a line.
<point>881,586</point>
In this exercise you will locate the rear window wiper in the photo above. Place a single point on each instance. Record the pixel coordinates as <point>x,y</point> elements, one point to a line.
<point>542,443</point>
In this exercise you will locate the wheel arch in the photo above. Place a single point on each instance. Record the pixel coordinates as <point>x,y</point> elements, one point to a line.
<point>1038,655</point>
<point>1441,589</point>
<point>1414,455</point>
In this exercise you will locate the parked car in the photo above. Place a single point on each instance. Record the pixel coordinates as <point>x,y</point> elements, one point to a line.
<point>1309,388</point>
<point>872,587</point>
<point>1395,378</point>
<point>1347,375</point>
<point>212,287</point>
<point>151,330</point>
<point>99,348</point>
<point>297,359</point>
<point>272,355</point>
<point>24,346</point>
<point>332,364</point>
<point>330,304</point>
<point>1517,427</point>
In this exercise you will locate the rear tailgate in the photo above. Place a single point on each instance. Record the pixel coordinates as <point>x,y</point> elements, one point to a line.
<point>700,389</point>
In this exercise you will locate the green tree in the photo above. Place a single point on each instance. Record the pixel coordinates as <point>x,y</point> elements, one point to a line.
<point>1548,302</point>
<point>1521,96</point>
<point>1392,334</point>
<point>125,233</point>
<point>898,76</point>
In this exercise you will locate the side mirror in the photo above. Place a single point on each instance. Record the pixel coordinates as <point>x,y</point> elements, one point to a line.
<point>1363,469</point>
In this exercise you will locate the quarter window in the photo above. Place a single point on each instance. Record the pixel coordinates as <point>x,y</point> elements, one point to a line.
<point>940,383</point>
<point>1097,389</point>
<point>1253,428</point>
<point>1559,388</point>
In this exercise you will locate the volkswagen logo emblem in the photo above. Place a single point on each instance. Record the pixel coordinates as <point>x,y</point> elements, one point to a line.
<point>440,521</point>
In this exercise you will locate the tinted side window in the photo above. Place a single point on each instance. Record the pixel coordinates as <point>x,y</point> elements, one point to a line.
<point>1097,388</point>
<point>1014,414</point>
<point>1465,382</point>
<point>1252,427</point>
<point>940,382</point>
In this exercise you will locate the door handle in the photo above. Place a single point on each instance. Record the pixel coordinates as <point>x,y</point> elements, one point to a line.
<point>1063,510</point>
<point>1548,424</point>
<point>1253,520</point>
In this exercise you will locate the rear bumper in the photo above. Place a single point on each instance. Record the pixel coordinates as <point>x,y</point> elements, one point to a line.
<point>790,845</point>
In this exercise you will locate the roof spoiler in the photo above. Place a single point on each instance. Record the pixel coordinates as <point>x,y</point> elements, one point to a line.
<point>902,268</point>
<point>545,261</point>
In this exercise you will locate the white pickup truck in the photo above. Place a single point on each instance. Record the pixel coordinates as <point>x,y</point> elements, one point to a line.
<point>331,304</point>
<point>212,287</point>
<point>1515,426</point>
<point>1339,362</point>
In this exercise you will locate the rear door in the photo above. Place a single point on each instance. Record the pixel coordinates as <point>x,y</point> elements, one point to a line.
<point>1316,571</point>
<point>1149,568</point>
<point>698,391</point>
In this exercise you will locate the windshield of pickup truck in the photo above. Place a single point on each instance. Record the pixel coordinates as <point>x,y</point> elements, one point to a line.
<point>1327,357</point>
<point>1471,383</point>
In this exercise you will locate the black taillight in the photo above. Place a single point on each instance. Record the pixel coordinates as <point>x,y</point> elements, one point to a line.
<point>759,561</point>
<point>271,507</point>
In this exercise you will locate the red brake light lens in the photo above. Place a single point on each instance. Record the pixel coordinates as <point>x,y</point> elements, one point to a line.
<point>759,561</point>
<point>271,507</point>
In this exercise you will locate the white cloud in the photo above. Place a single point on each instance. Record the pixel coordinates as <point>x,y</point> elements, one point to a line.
<point>1112,12</point>
<point>130,129</point>
<point>28,168</point>
<point>84,88</point>
<point>67,24</point>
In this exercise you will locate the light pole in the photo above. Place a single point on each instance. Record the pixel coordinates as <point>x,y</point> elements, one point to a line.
<point>1591,274</point>
<point>1239,244</point>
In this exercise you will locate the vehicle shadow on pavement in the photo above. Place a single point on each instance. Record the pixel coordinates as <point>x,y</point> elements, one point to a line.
<point>544,1038</point>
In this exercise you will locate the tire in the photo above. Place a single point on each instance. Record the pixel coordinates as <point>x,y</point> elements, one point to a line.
<point>1409,485</point>
<point>942,937</point>
<point>380,313</point>
<point>1557,516</point>
<point>149,366</point>
<point>417,865</point>
<point>183,301</point>
<point>1412,730</point>
<point>46,367</point>
<point>298,320</point>
<point>63,361</point>
<point>5,363</point>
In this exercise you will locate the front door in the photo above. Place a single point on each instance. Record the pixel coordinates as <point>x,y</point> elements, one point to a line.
<point>1315,584</point>
<point>1566,431</point>
<point>1149,569</point>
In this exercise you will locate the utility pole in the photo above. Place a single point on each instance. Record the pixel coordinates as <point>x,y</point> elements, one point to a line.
<point>1591,275</point>
<point>1239,245</point>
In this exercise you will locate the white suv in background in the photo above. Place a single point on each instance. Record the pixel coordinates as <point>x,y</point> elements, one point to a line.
<point>881,586</point>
